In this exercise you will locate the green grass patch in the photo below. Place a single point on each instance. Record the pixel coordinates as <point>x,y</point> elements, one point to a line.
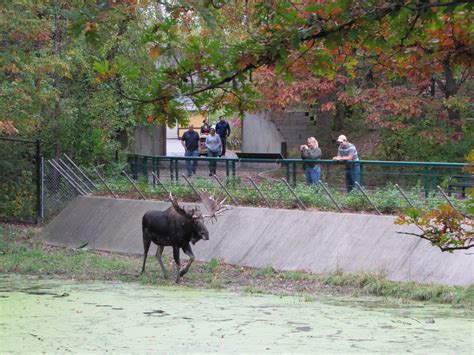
<point>22,253</point>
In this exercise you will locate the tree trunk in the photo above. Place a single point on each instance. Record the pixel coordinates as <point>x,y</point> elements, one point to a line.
<point>450,88</point>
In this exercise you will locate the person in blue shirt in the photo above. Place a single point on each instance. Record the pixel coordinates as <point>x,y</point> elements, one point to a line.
<point>223,130</point>
<point>190,142</point>
<point>348,152</point>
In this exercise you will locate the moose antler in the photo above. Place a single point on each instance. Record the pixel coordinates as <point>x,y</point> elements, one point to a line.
<point>195,213</point>
<point>214,207</point>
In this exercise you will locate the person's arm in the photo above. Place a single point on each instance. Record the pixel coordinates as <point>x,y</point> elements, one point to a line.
<point>349,157</point>
<point>352,152</point>
<point>207,142</point>
<point>183,143</point>
<point>304,151</point>
<point>338,156</point>
<point>317,154</point>
<point>228,129</point>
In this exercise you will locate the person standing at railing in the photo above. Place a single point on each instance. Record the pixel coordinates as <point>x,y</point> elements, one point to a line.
<point>311,151</point>
<point>190,142</point>
<point>223,130</point>
<point>348,152</point>
<point>214,146</point>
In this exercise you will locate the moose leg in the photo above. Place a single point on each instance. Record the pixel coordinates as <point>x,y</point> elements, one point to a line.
<point>159,253</point>
<point>146,247</point>
<point>176,259</point>
<point>189,252</point>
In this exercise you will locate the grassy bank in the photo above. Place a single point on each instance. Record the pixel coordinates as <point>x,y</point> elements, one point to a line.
<point>21,252</point>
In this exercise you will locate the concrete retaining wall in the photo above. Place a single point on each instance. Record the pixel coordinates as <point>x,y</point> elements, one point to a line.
<point>286,239</point>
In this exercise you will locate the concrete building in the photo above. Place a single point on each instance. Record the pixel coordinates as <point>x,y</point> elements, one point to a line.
<point>274,132</point>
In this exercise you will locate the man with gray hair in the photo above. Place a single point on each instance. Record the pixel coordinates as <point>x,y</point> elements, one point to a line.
<point>347,152</point>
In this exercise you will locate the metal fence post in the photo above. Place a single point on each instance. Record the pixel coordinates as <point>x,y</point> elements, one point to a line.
<point>171,170</point>
<point>66,177</point>
<point>426,181</point>
<point>260,192</point>
<point>405,196</point>
<point>225,189</point>
<point>330,196</point>
<point>79,169</point>
<point>74,175</point>
<point>176,169</point>
<point>192,187</point>
<point>294,194</point>
<point>160,183</point>
<point>39,183</point>
<point>294,174</point>
<point>135,168</point>
<point>447,198</point>
<point>135,186</point>
<point>103,181</point>
<point>367,197</point>
<point>145,168</point>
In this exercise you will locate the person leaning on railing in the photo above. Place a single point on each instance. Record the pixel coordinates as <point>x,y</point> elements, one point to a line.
<point>347,151</point>
<point>311,151</point>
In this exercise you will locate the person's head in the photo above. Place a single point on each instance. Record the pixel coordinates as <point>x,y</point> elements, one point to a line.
<point>205,121</point>
<point>221,118</point>
<point>342,140</point>
<point>190,128</point>
<point>312,142</point>
<point>212,131</point>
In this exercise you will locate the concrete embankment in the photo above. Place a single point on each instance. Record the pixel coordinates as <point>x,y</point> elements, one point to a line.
<point>285,239</point>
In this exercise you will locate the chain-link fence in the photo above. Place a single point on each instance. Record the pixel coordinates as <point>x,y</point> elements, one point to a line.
<point>20,180</point>
<point>63,181</point>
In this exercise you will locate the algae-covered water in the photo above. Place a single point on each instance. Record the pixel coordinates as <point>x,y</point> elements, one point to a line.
<point>56,316</point>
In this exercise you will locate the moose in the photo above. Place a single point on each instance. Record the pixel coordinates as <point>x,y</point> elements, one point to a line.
<point>178,228</point>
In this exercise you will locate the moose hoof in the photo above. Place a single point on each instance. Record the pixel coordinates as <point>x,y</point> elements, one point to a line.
<point>178,280</point>
<point>182,272</point>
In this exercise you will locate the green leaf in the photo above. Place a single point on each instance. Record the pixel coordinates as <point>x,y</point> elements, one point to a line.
<point>102,67</point>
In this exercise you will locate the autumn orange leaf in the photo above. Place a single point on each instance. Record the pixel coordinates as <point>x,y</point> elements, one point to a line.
<point>155,52</point>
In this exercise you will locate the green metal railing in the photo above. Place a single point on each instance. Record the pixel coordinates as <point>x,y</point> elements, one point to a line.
<point>373,172</point>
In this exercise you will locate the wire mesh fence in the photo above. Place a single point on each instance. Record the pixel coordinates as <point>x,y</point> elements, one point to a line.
<point>63,181</point>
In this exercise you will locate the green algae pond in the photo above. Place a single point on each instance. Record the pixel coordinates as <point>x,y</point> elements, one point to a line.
<point>58,316</point>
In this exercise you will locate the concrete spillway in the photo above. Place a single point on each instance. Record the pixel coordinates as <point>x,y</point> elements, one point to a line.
<point>285,239</point>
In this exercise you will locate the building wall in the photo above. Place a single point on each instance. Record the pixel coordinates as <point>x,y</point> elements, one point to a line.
<point>149,141</point>
<point>260,135</point>
<point>264,132</point>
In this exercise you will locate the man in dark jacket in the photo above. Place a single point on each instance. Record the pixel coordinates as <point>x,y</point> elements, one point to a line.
<point>190,142</point>
<point>223,130</point>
